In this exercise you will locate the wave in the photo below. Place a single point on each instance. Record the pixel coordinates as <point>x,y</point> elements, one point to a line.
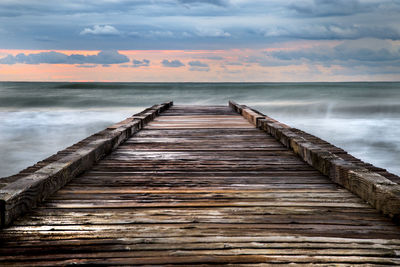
<point>37,119</point>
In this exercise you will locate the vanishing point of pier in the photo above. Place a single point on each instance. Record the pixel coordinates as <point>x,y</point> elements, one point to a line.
<point>200,185</point>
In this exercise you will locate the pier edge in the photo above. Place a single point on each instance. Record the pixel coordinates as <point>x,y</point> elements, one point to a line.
<point>380,192</point>
<point>22,192</point>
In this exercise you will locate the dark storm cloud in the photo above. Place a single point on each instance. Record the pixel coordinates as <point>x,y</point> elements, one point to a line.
<point>190,24</point>
<point>103,57</point>
<point>172,63</point>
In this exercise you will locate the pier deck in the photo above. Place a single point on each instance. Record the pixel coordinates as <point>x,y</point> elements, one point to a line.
<point>201,185</point>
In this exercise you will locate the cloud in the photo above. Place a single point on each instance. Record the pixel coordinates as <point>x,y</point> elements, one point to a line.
<point>52,57</point>
<point>191,24</point>
<point>164,34</point>
<point>211,32</point>
<point>267,60</point>
<point>199,69</point>
<point>152,34</point>
<point>43,38</point>
<point>369,54</point>
<point>234,63</point>
<point>215,57</point>
<point>108,57</point>
<point>140,63</point>
<point>330,7</point>
<point>212,2</point>
<point>86,66</point>
<point>172,63</point>
<point>363,52</point>
<point>100,30</point>
<point>233,71</point>
<point>198,66</point>
<point>332,31</point>
<point>373,50</point>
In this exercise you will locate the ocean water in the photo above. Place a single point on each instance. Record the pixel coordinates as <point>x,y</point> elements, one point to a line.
<point>38,119</point>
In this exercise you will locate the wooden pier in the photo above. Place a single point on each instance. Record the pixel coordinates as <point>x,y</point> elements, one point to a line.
<point>200,185</point>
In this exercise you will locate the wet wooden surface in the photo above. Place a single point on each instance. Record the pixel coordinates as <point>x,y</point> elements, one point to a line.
<point>201,185</point>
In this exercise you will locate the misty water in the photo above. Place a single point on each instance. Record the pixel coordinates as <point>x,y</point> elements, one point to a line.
<point>38,119</point>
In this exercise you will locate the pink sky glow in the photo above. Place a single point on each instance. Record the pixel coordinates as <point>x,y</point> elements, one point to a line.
<point>234,65</point>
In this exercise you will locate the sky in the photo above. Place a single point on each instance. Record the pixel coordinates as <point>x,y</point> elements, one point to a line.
<point>200,40</point>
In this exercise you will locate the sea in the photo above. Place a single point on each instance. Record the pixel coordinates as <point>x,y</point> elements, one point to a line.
<point>37,119</point>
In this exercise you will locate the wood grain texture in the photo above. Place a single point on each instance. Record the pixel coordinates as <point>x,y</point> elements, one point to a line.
<point>200,185</point>
<point>22,192</point>
<point>378,187</point>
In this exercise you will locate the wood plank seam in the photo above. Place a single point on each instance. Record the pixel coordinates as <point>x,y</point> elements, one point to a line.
<point>378,191</point>
<point>237,202</point>
<point>22,193</point>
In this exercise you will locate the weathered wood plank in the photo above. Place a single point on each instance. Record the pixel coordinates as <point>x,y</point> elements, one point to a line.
<point>19,196</point>
<point>218,259</point>
<point>201,185</point>
<point>379,191</point>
